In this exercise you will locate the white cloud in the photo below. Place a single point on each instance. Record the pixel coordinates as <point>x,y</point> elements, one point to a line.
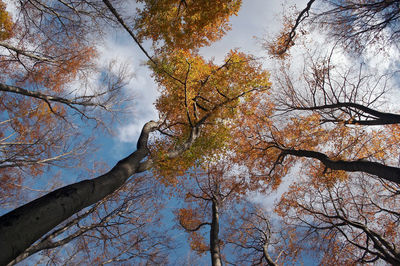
<point>142,87</point>
<point>269,200</point>
<point>145,94</point>
<point>255,19</point>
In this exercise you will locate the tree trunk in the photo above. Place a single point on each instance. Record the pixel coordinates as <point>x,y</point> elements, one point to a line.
<point>214,240</point>
<point>21,227</point>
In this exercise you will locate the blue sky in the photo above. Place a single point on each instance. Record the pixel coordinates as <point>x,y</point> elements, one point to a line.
<point>256,20</point>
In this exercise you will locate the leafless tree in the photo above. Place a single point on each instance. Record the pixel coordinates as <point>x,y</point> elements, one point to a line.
<point>351,221</point>
<point>355,24</point>
<point>253,238</point>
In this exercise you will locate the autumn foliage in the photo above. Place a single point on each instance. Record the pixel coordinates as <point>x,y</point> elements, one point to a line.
<point>5,23</point>
<point>317,142</point>
<point>184,24</point>
<point>203,94</point>
<point>38,62</point>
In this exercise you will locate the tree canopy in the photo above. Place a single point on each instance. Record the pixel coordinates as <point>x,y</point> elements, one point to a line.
<point>315,136</point>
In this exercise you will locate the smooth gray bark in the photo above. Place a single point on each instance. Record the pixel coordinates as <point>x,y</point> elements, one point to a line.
<point>214,239</point>
<point>21,227</point>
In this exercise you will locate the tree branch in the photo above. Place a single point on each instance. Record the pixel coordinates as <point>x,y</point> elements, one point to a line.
<point>383,171</point>
<point>382,117</point>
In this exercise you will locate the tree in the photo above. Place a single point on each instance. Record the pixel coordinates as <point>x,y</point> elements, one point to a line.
<point>216,205</point>
<point>46,90</point>
<point>5,23</point>
<point>213,195</point>
<point>254,240</point>
<point>220,89</point>
<point>359,24</point>
<point>41,72</point>
<point>121,227</point>
<point>351,221</point>
<point>206,110</point>
<point>328,111</point>
<point>347,147</point>
<point>183,24</point>
<point>356,25</point>
<point>280,45</point>
<point>346,99</point>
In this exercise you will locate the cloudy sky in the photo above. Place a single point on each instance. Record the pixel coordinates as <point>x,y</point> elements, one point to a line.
<point>255,22</point>
<point>255,19</point>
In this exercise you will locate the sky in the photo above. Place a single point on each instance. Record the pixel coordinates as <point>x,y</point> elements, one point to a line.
<point>257,20</point>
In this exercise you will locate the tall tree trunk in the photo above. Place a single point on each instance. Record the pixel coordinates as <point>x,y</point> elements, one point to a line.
<point>21,227</point>
<point>214,240</point>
